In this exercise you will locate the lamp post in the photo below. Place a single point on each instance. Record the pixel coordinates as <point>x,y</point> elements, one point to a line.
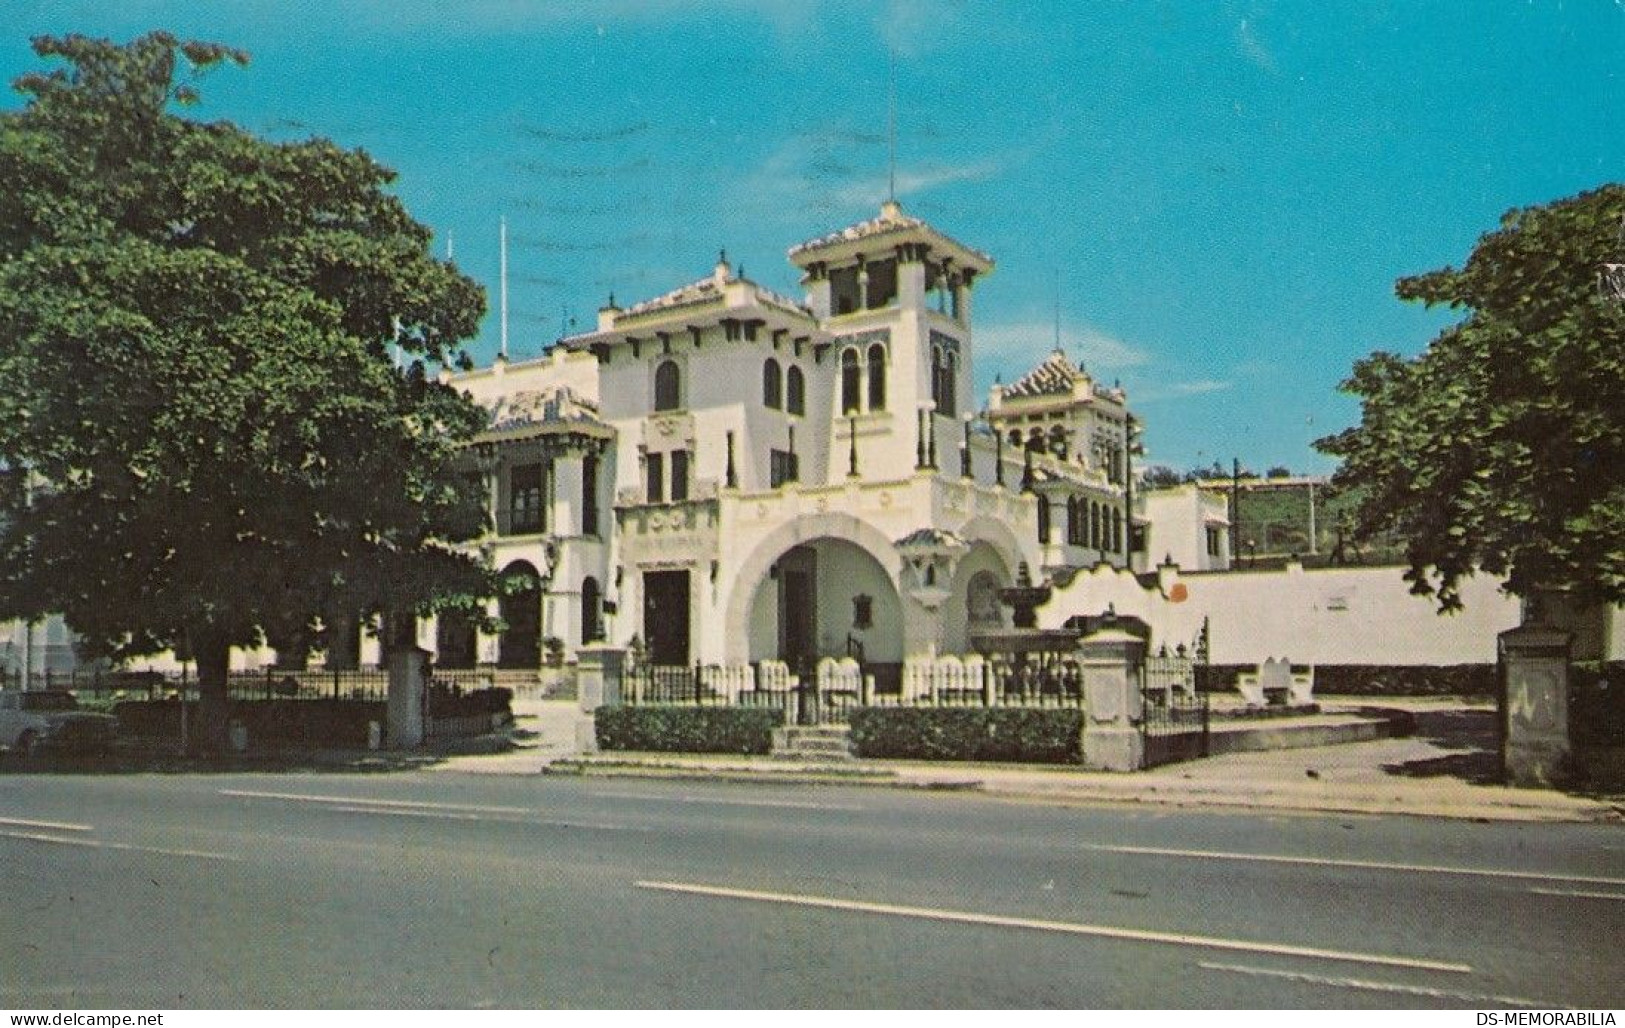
<point>852,447</point>
<point>998,457</point>
<point>964,449</point>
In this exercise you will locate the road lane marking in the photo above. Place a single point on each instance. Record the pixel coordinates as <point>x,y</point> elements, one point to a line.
<point>1579,893</point>
<point>58,826</point>
<point>128,847</point>
<point>449,815</point>
<point>731,801</point>
<point>1063,927</point>
<point>297,797</point>
<point>1371,865</point>
<point>1482,999</point>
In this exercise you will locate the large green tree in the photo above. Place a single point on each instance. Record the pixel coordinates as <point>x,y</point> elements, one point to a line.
<point>206,432</point>
<point>1501,447</point>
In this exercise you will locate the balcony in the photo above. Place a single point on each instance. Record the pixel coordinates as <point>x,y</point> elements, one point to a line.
<point>521,522</point>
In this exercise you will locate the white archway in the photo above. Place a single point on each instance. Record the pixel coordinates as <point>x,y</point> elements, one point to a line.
<point>817,531</point>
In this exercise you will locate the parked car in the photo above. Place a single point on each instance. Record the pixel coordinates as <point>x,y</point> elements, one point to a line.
<point>36,721</point>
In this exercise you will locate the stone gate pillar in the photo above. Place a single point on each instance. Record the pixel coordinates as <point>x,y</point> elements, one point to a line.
<point>1534,670</point>
<point>599,670</point>
<point>1114,707</point>
<point>408,681</point>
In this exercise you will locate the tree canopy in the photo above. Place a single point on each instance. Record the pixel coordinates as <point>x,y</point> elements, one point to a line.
<point>206,434</point>
<point>1502,446</point>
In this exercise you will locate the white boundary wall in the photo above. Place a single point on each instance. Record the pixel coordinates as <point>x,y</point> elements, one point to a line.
<point>1361,615</point>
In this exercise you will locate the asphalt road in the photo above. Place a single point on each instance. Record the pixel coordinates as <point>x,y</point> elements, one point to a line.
<point>452,890</point>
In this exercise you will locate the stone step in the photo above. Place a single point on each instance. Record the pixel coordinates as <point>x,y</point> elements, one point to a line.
<point>812,742</point>
<point>813,758</point>
<point>793,734</point>
<point>819,746</point>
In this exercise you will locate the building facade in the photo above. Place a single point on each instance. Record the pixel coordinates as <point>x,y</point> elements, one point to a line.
<point>725,475</point>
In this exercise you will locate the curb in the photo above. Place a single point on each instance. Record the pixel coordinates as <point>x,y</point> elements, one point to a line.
<point>1143,794</point>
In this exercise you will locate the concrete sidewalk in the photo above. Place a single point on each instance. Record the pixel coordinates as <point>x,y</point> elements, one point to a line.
<point>1446,769</point>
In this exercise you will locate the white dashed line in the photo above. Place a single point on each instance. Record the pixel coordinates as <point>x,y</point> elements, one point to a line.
<point>128,847</point>
<point>353,801</point>
<point>1481,999</point>
<point>1579,894</point>
<point>56,826</point>
<point>730,801</point>
<point>1370,865</point>
<point>1063,927</point>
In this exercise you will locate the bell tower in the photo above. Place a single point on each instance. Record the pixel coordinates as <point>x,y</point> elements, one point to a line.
<point>894,294</point>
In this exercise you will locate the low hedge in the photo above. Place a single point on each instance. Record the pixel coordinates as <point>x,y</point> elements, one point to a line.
<point>1018,734</point>
<point>687,729</point>
<point>1375,679</point>
<point>269,722</point>
<point>452,701</point>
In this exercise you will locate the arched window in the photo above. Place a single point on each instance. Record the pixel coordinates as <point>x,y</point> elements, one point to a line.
<point>1094,526</point>
<point>795,391</point>
<point>1057,442</point>
<point>949,404</point>
<point>877,377</point>
<point>851,382</point>
<point>592,610</point>
<point>772,384</point>
<point>1117,530</point>
<point>668,386</point>
<point>938,375</point>
<point>1043,519</point>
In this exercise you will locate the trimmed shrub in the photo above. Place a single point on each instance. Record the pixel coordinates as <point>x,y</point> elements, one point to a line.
<point>1375,679</point>
<point>1017,734</point>
<point>687,729</point>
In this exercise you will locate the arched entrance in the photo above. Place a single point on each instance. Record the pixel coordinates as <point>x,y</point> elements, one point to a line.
<point>974,599</point>
<point>521,610</point>
<point>826,597</point>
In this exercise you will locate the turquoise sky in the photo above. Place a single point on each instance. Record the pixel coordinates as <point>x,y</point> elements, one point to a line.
<point>1221,193</point>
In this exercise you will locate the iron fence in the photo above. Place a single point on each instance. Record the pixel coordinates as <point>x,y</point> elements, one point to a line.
<point>1176,718</point>
<point>1039,682</point>
<point>260,684</point>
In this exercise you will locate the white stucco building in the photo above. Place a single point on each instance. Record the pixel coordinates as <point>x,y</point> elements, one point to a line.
<point>726,475</point>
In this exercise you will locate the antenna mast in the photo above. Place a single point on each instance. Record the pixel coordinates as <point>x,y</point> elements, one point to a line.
<point>1057,308</point>
<point>891,126</point>
<point>504,289</point>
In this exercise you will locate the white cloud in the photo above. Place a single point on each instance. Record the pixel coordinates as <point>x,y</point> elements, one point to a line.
<point>1178,390</point>
<point>1253,48</point>
<point>831,174</point>
<point>867,191</point>
<point>1014,349</point>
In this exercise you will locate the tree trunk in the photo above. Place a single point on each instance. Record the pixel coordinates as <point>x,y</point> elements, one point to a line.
<point>213,656</point>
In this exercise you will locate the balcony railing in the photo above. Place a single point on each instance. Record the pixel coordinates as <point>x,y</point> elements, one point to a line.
<point>521,522</point>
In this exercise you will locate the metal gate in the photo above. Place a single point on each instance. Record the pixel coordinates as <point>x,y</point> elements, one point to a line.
<point>1175,721</point>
